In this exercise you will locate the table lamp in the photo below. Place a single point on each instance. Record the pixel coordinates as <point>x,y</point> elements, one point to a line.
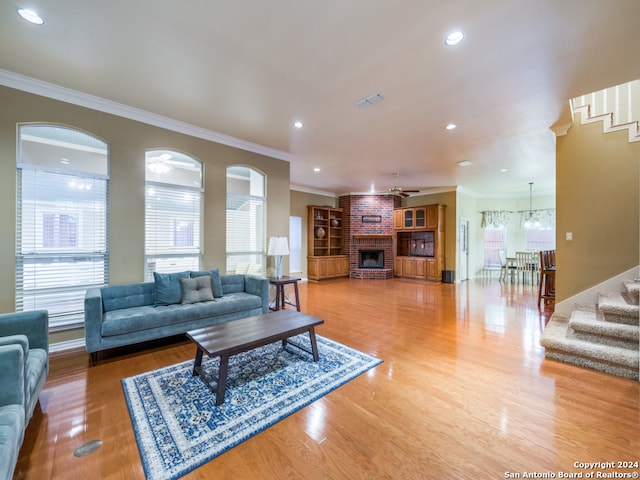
<point>278,247</point>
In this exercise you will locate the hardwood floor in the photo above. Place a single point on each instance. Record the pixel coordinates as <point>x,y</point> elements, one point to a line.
<point>464,392</point>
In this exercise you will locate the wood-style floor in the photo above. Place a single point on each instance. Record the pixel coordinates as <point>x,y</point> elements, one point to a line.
<point>464,393</point>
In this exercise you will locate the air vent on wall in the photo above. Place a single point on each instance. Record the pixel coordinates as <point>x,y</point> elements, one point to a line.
<point>369,101</point>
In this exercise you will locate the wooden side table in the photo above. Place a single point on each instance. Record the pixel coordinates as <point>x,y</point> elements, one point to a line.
<point>279,284</point>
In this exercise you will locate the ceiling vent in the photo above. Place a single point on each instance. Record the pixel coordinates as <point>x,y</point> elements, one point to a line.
<point>369,101</point>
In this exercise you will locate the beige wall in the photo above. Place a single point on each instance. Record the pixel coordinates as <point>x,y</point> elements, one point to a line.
<point>299,201</point>
<point>128,141</point>
<point>597,195</point>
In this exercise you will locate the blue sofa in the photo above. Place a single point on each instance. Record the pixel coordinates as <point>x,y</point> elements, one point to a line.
<point>24,366</point>
<point>121,315</point>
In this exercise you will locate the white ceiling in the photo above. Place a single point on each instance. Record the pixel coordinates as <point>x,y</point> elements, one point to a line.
<point>250,68</point>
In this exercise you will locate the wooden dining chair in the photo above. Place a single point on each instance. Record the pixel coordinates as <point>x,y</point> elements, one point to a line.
<point>547,288</point>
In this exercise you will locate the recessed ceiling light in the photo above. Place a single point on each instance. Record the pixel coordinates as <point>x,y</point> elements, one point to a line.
<point>454,38</point>
<point>504,170</point>
<point>451,126</point>
<point>298,124</point>
<point>464,163</point>
<point>316,169</point>
<point>30,16</point>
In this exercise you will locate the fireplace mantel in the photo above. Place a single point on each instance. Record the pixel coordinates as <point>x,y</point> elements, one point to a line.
<point>372,237</point>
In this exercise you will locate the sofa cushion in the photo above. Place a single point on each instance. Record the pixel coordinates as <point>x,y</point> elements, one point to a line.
<point>20,339</point>
<point>12,424</point>
<point>37,370</point>
<point>215,280</point>
<point>168,290</point>
<point>115,297</point>
<point>196,289</point>
<point>233,284</point>
<point>118,322</point>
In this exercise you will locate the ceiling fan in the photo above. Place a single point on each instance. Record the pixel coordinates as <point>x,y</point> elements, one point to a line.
<point>396,190</point>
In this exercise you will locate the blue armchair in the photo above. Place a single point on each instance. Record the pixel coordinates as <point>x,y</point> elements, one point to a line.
<point>24,365</point>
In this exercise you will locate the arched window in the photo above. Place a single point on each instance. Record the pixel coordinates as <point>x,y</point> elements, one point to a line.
<point>61,231</point>
<point>173,205</point>
<point>246,206</point>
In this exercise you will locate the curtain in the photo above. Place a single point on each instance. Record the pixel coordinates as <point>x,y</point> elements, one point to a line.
<point>544,219</point>
<point>495,218</point>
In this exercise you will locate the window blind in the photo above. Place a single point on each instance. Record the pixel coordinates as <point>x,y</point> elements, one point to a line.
<point>494,242</point>
<point>245,222</point>
<point>173,217</point>
<point>61,222</point>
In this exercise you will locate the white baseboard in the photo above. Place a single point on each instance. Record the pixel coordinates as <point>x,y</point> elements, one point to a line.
<point>614,284</point>
<point>67,345</point>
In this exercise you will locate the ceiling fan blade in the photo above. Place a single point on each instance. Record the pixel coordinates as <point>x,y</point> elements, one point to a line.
<point>405,194</point>
<point>410,191</point>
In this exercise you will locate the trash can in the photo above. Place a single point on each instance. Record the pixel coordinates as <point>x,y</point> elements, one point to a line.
<point>448,276</point>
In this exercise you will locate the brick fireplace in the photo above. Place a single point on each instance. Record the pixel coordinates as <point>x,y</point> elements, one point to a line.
<point>368,226</point>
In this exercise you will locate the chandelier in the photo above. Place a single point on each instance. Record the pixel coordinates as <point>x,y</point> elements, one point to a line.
<point>531,220</point>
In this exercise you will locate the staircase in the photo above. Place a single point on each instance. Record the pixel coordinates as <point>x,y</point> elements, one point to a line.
<point>618,108</point>
<point>604,336</point>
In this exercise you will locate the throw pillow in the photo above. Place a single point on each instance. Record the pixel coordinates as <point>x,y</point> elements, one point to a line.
<point>216,283</point>
<point>197,289</point>
<point>168,289</point>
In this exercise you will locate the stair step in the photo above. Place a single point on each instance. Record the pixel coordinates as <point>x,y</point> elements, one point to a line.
<point>560,344</point>
<point>633,289</point>
<point>586,324</point>
<point>618,307</point>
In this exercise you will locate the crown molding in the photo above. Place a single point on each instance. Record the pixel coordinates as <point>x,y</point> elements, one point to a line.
<point>300,188</point>
<point>63,94</point>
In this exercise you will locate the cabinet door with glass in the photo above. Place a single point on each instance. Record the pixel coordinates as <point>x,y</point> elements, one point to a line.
<point>419,217</point>
<point>408,219</point>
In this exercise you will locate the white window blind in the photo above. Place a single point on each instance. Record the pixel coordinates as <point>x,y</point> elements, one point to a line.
<point>173,200</point>
<point>537,239</point>
<point>494,242</point>
<point>246,206</point>
<point>61,230</point>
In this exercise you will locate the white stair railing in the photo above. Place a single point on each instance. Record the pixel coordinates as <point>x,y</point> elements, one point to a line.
<point>618,108</point>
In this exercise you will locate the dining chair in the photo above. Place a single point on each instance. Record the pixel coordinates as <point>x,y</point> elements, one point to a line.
<point>546,287</point>
<point>507,268</point>
<point>523,266</point>
<point>534,261</point>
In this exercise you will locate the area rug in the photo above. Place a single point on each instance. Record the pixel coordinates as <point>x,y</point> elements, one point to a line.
<point>178,427</point>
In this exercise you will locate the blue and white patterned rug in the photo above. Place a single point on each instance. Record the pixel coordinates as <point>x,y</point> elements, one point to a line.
<point>178,427</point>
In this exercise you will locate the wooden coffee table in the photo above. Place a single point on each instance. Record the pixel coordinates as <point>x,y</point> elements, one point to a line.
<point>237,336</point>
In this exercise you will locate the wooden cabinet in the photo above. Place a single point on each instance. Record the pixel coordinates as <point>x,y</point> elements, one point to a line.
<point>325,243</point>
<point>410,218</point>
<point>412,267</point>
<point>408,267</point>
<point>319,268</point>
<point>407,222</point>
<point>432,217</point>
<point>421,267</point>
<point>431,272</point>
<point>398,219</point>
<point>419,217</point>
<point>397,266</point>
<point>419,242</point>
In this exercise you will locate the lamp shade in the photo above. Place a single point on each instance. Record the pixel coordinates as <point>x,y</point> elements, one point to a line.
<point>278,246</point>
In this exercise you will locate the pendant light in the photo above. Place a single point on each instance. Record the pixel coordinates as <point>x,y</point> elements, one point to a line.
<point>530,221</point>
